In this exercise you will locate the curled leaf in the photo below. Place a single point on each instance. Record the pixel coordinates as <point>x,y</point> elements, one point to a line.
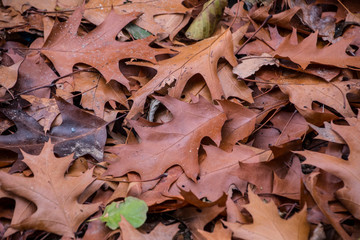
<point>205,23</point>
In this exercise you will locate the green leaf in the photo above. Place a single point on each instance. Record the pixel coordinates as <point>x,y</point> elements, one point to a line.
<point>133,209</point>
<point>206,22</point>
<point>136,31</point>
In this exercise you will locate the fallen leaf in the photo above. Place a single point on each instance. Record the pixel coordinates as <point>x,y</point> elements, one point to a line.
<point>249,65</point>
<point>307,52</point>
<point>348,170</point>
<point>80,133</point>
<point>219,170</point>
<point>172,143</point>
<point>30,135</point>
<point>23,209</point>
<point>160,232</point>
<point>97,48</point>
<point>267,222</point>
<point>219,233</point>
<point>34,72</point>
<point>332,94</point>
<point>51,191</point>
<point>9,75</point>
<point>204,25</point>
<point>96,11</point>
<point>240,124</point>
<point>96,92</point>
<point>132,209</point>
<point>179,69</point>
<point>22,5</point>
<point>44,110</point>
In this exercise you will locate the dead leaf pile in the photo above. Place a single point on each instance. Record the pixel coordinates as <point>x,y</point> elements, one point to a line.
<point>230,119</point>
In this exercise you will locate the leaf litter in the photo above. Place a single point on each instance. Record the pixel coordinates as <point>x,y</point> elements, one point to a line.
<point>244,127</point>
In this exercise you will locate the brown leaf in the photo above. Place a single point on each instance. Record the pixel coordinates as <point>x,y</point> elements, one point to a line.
<point>307,52</point>
<point>282,19</point>
<point>267,222</point>
<point>201,57</point>
<point>96,92</point>
<point>128,232</point>
<point>10,18</point>
<point>34,72</point>
<point>249,65</point>
<point>327,134</point>
<point>239,124</point>
<point>23,209</point>
<point>219,170</point>
<point>98,10</point>
<point>219,233</point>
<point>9,75</point>
<point>232,86</point>
<point>172,143</point>
<point>348,171</point>
<point>30,135</point>
<point>332,94</point>
<point>64,47</point>
<point>160,192</point>
<point>51,191</point>
<point>44,110</point>
<point>22,5</point>
<point>80,132</point>
<point>322,198</point>
<point>196,219</point>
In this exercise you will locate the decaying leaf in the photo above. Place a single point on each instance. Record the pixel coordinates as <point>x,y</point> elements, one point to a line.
<point>206,22</point>
<point>80,132</point>
<point>250,65</point>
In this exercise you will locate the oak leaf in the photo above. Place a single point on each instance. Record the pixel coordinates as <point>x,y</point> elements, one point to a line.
<point>9,75</point>
<point>201,57</point>
<point>30,135</point>
<point>80,132</point>
<point>332,94</point>
<point>267,223</point>
<point>50,189</point>
<point>220,170</point>
<point>239,124</point>
<point>22,5</point>
<point>44,110</point>
<point>34,72</point>
<point>98,10</point>
<point>348,171</point>
<point>219,233</point>
<point>196,219</point>
<point>168,144</point>
<point>128,232</point>
<point>307,52</point>
<point>23,209</point>
<point>64,47</point>
<point>96,93</point>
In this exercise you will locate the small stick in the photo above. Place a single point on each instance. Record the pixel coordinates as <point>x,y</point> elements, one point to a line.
<point>261,26</point>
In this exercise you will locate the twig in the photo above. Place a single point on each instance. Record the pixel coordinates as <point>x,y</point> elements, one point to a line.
<point>122,181</point>
<point>261,26</point>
